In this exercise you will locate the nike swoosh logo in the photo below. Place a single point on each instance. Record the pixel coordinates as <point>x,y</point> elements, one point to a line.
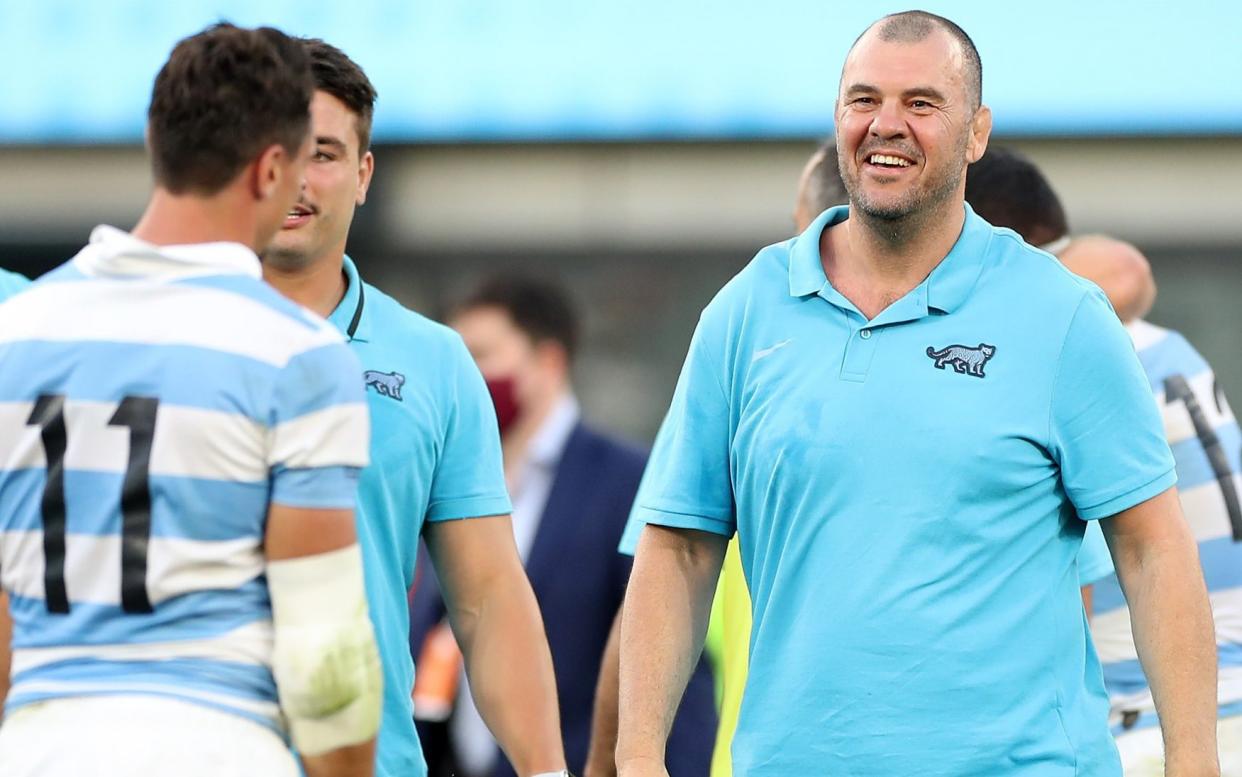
<point>765,352</point>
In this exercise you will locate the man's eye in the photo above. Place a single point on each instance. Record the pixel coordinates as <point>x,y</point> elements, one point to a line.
<point>920,104</point>
<point>863,101</point>
<point>322,156</point>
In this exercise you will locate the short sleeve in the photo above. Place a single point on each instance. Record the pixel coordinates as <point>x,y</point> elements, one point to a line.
<point>633,528</point>
<point>319,429</point>
<point>469,479</point>
<point>1105,429</point>
<point>1094,560</point>
<point>687,483</point>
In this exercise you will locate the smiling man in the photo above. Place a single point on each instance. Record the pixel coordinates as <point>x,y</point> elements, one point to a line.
<point>435,455</point>
<point>908,416</point>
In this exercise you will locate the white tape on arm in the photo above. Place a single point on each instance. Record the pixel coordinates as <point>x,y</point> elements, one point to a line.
<point>325,660</point>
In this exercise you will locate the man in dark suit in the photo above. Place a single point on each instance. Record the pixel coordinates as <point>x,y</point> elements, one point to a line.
<point>572,488</point>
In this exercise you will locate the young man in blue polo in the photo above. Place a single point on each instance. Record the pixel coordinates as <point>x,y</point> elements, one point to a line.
<point>435,456</point>
<point>908,416</point>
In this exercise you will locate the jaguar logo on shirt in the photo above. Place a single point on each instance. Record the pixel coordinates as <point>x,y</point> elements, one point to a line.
<point>386,384</point>
<point>963,359</point>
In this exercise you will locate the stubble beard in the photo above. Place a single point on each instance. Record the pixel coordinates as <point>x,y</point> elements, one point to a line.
<point>287,259</point>
<point>897,221</point>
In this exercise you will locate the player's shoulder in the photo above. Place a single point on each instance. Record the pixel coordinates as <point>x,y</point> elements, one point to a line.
<point>764,279</point>
<point>1165,352</point>
<point>391,323</point>
<point>258,303</point>
<point>1034,272</point>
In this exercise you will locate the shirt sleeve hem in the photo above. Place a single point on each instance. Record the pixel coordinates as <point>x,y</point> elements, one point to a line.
<point>472,507</point>
<point>1130,498</point>
<point>682,520</point>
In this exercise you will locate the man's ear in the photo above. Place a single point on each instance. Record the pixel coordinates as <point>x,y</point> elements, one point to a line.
<point>366,168</point>
<point>267,170</point>
<point>980,131</point>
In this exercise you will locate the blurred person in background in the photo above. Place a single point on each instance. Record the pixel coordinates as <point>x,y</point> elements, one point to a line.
<point>11,283</point>
<point>572,487</point>
<point>180,448</point>
<point>1206,442</point>
<point>435,454</point>
<point>908,415</point>
<point>819,188</point>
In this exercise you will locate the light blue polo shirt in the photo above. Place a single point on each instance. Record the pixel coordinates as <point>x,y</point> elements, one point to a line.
<point>11,283</point>
<point>908,494</point>
<point>435,456</point>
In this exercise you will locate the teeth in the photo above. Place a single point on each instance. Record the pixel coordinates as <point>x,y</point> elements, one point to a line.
<point>882,159</point>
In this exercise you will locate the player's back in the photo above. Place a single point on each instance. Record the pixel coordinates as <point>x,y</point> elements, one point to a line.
<point>145,396</point>
<point>1205,438</point>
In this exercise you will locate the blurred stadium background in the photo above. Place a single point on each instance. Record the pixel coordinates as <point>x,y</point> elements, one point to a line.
<point>643,151</point>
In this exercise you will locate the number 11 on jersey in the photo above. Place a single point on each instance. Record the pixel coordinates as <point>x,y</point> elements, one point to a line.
<point>138,414</point>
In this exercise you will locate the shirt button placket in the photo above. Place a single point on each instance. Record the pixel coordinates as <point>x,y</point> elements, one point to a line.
<point>858,354</point>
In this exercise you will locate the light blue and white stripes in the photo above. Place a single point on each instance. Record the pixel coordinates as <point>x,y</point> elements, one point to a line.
<point>1207,446</point>
<point>251,399</point>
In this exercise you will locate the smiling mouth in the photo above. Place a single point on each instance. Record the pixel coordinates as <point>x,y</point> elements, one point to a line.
<point>297,216</point>
<point>889,161</point>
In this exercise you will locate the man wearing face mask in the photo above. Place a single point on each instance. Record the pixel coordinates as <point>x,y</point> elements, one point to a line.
<point>572,489</point>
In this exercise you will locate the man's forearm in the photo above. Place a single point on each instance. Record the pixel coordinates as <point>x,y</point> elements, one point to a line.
<point>662,630</point>
<point>496,622</point>
<point>511,679</point>
<point>1173,631</point>
<point>1172,623</point>
<point>602,754</point>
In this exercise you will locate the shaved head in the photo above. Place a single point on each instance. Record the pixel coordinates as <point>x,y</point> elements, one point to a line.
<point>914,26</point>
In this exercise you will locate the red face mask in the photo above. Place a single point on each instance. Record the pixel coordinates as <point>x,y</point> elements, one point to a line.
<point>504,397</point>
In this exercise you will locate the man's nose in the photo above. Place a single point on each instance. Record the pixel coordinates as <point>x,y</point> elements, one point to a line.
<point>888,121</point>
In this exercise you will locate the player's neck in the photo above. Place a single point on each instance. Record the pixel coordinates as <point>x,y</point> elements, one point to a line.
<point>172,219</point>
<point>873,264</point>
<point>319,286</point>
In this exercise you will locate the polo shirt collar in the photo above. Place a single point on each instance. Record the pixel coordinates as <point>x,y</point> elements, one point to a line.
<point>951,282</point>
<point>351,314</point>
<point>806,267</point>
<point>112,251</point>
<point>945,289</point>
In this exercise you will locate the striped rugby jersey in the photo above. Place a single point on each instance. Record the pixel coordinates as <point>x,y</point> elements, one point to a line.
<point>153,401</point>
<point>1207,445</point>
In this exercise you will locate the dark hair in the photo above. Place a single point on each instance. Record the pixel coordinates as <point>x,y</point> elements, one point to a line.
<point>222,97</point>
<point>914,26</point>
<point>341,77</point>
<point>824,185</point>
<point>1008,190</point>
<point>541,309</point>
